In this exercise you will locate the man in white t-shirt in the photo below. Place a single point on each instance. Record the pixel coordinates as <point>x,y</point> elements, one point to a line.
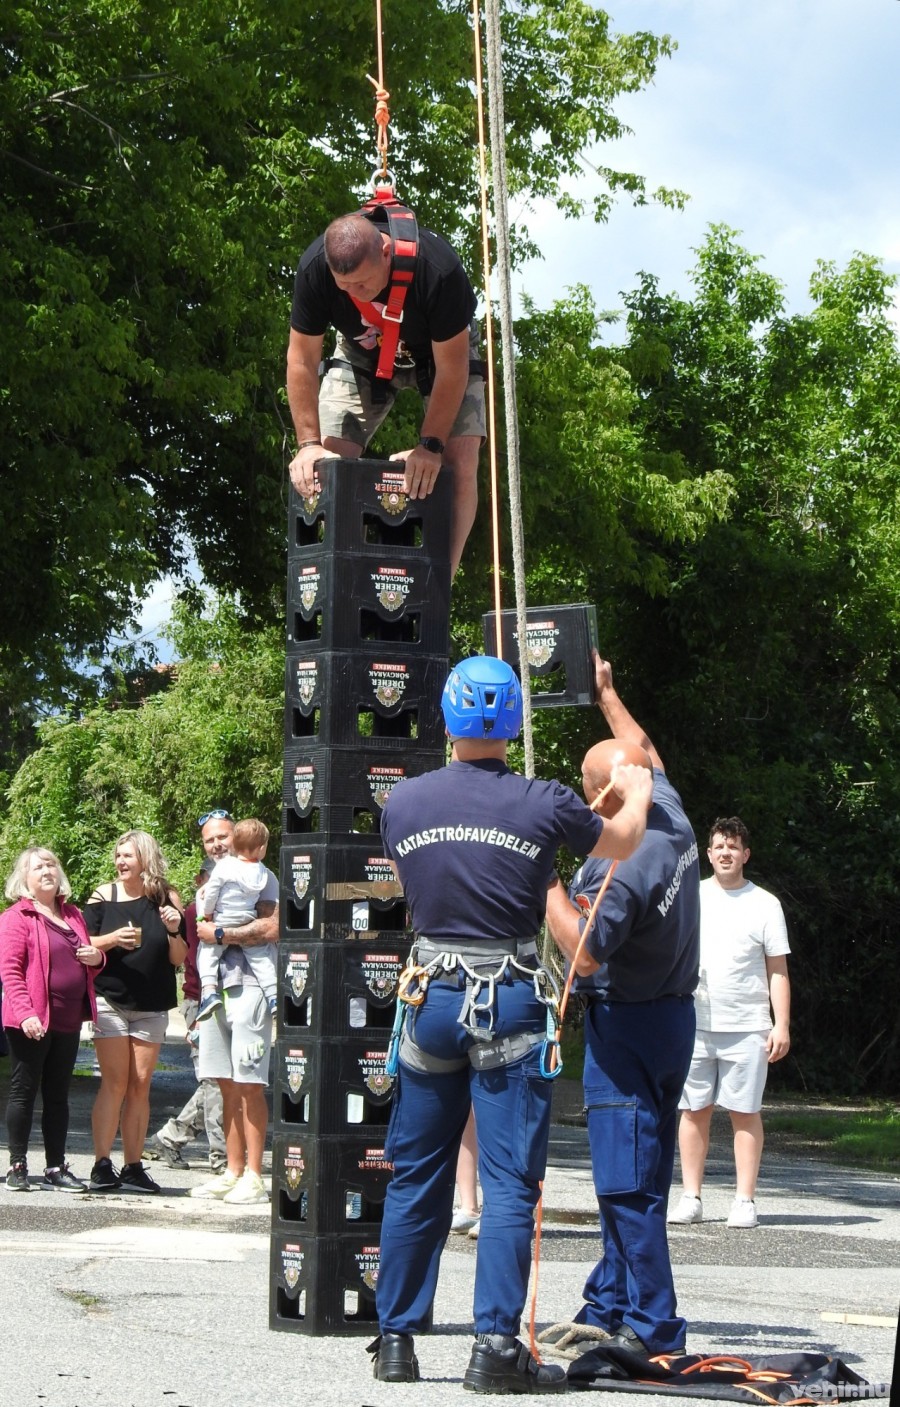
<point>743,970</point>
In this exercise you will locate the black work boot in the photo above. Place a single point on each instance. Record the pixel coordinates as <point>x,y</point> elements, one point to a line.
<point>394,1360</point>
<point>624,1337</point>
<point>499,1363</point>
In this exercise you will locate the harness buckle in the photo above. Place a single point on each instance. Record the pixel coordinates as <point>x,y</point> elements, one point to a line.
<point>389,317</point>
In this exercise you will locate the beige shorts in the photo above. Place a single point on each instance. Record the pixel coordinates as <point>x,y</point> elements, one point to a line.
<point>347,410</point>
<point>114,1020</point>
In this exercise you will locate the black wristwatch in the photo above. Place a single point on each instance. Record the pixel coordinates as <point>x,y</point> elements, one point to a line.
<point>219,934</point>
<point>432,444</point>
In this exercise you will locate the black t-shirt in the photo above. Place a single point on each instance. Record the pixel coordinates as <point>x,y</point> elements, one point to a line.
<point>439,305</point>
<point>142,979</point>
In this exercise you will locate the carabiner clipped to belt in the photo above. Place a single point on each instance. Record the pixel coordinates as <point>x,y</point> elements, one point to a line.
<point>412,985</point>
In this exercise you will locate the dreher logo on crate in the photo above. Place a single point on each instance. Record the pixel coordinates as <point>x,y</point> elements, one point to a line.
<point>375,1077</point>
<point>291,1265</point>
<point>382,781</point>
<point>541,637</point>
<point>310,581</point>
<point>295,1066</point>
<point>381,879</point>
<point>391,494</point>
<point>304,785</point>
<point>296,973</point>
<point>301,869</point>
<point>373,1160</point>
<point>367,1259</point>
<point>306,678</point>
<point>389,681</point>
<point>381,972</point>
<point>392,586</point>
<point>293,1166</point>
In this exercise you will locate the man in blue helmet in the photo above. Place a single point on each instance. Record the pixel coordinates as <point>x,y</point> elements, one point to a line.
<point>475,845</point>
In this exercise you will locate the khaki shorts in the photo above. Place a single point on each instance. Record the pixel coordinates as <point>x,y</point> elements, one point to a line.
<point>347,410</point>
<point>114,1020</point>
<point>728,1068</point>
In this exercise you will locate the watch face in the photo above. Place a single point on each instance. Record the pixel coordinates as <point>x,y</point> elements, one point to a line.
<point>432,444</point>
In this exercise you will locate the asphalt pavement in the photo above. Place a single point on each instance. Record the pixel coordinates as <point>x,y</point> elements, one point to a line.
<point>128,1301</point>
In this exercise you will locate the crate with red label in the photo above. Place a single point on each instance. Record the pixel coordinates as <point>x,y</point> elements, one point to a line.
<point>323,1284</point>
<point>342,602</point>
<point>342,791</point>
<point>558,650</point>
<point>327,1185</point>
<point>325,991</point>
<point>327,1088</point>
<point>365,698</point>
<point>361,506</point>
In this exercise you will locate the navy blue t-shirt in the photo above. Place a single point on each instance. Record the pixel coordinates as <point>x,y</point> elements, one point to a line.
<point>646,935</point>
<point>475,845</point>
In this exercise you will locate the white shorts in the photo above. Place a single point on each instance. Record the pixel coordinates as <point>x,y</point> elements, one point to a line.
<point>236,1040</point>
<point>115,1020</point>
<point>728,1068</point>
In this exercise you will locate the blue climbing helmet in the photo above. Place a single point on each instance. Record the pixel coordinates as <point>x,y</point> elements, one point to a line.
<point>482,699</point>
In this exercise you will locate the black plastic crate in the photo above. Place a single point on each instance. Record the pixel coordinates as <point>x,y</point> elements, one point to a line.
<point>347,869</point>
<point>334,791</point>
<point>328,1184</point>
<point>361,507</point>
<point>338,992</point>
<point>323,1284</point>
<point>329,1088</point>
<point>365,698</point>
<point>344,602</point>
<point>558,649</point>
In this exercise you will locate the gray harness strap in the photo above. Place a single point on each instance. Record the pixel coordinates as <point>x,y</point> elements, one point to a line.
<point>485,1055</point>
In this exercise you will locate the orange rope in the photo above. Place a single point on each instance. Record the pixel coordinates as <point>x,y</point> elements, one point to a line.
<point>488,322</point>
<point>382,114</point>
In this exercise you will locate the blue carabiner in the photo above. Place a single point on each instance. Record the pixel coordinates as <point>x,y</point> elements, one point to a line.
<point>546,1048</point>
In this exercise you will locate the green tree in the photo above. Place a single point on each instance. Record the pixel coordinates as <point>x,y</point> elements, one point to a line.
<point>161,170</point>
<point>774,678</point>
<point>213,737</point>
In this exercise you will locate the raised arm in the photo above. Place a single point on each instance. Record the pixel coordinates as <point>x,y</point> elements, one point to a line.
<point>621,723</point>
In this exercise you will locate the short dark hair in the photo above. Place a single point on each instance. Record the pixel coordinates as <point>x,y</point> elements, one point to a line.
<point>349,241</point>
<point>733,828</point>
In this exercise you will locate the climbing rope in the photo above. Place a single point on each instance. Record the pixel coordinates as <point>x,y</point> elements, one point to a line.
<point>382,97</point>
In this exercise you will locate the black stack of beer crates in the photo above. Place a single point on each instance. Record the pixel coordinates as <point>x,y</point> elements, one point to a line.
<point>368,640</point>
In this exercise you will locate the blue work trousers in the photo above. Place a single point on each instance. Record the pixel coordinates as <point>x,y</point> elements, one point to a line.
<point>636,1060</point>
<point>512,1117</point>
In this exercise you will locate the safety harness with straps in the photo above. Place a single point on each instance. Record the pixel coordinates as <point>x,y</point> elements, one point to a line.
<point>493,963</point>
<point>403,233</point>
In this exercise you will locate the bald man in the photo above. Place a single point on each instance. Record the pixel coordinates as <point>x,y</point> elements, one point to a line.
<point>637,971</point>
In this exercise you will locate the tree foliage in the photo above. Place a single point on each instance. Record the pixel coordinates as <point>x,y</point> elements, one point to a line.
<point>162,167</point>
<point>212,738</point>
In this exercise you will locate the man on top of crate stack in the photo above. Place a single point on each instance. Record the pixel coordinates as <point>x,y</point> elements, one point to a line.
<point>474,845</point>
<point>343,281</point>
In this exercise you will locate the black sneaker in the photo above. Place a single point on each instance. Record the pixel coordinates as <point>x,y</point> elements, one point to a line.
<point>17,1177</point>
<point>135,1178</point>
<point>61,1179</point>
<point>510,1368</point>
<point>104,1177</point>
<point>394,1359</point>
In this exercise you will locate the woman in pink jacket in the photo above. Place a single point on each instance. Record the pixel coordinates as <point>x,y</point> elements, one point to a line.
<point>46,962</point>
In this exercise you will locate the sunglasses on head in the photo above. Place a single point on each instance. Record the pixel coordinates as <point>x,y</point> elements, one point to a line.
<point>218,815</point>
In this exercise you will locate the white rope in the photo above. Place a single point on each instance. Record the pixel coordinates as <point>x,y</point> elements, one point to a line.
<point>501,221</point>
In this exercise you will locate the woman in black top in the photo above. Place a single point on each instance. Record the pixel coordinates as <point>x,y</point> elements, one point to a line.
<point>137,922</point>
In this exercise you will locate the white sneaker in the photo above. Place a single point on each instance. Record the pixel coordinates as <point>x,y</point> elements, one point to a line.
<point>743,1213</point>
<point>688,1211</point>
<point>473,1231</point>
<point>249,1189</point>
<point>217,1188</point>
<point>463,1220</point>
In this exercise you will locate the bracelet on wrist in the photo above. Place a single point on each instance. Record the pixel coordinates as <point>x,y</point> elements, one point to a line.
<point>305,444</point>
